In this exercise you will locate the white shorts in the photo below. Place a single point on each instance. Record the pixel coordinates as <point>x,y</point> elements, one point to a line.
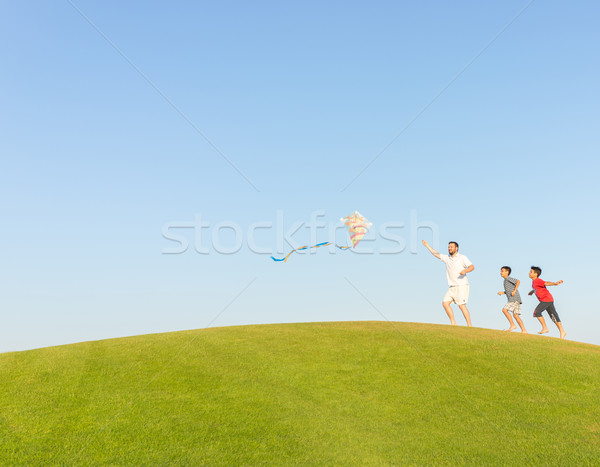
<point>514,307</point>
<point>458,294</point>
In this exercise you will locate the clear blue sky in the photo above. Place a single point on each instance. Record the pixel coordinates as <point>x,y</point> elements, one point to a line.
<point>299,97</point>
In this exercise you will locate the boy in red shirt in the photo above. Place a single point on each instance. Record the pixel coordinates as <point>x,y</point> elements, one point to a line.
<point>546,301</point>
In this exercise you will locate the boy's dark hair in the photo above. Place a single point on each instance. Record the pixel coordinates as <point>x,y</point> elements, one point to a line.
<point>537,270</point>
<point>454,244</point>
<point>507,268</point>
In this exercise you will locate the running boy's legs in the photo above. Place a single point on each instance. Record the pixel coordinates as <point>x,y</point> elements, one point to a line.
<point>556,319</point>
<point>538,314</point>
<point>510,320</point>
<point>520,322</point>
<point>549,307</point>
<point>515,308</point>
<point>543,323</point>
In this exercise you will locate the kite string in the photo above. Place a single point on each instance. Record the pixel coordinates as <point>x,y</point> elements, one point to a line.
<point>306,247</point>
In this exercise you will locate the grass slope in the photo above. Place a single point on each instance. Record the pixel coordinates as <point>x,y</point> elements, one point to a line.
<point>320,393</point>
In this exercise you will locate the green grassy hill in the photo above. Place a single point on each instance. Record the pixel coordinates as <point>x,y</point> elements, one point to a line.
<point>320,393</point>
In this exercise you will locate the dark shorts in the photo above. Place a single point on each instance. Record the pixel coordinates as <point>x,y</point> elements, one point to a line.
<point>549,307</point>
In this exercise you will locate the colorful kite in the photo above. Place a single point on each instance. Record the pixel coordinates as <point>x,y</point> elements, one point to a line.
<point>357,228</point>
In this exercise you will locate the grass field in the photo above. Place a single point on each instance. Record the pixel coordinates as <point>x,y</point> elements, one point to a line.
<point>361,393</point>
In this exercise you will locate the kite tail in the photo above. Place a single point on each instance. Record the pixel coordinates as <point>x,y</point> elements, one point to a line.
<point>305,247</point>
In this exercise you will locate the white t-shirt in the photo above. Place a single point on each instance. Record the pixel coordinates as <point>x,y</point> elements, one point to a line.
<point>455,264</point>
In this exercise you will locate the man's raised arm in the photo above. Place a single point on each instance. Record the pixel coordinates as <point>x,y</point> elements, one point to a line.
<point>431,250</point>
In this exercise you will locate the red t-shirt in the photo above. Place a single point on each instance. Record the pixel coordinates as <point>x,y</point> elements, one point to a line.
<point>541,292</point>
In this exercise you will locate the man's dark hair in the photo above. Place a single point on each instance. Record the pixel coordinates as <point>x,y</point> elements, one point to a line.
<point>537,270</point>
<point>507,268</point>
<point>454,244</point>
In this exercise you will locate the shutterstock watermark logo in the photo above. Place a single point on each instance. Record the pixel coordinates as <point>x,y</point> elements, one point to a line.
<point>278,237</point>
